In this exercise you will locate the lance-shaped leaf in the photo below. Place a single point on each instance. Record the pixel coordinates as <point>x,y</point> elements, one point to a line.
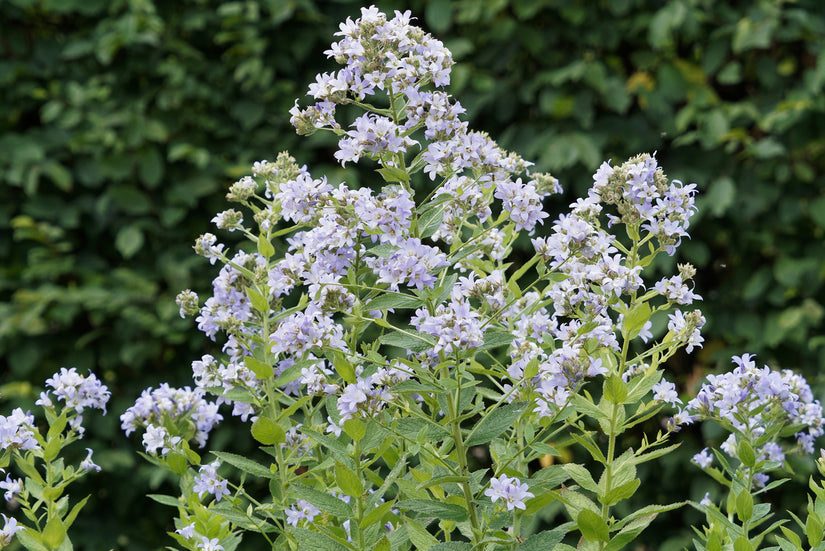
<point>434,509</point>
<point>244,464</point>
<point>498,421</point>
<point>542,541</point>
<point>592,526</point>
<point>324,501</point>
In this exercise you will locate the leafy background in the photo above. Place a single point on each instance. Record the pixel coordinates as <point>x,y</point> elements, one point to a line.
<point>123,122</point>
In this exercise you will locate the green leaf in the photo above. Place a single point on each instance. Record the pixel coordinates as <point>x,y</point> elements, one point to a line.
<point>376,515</point>
<point>394,300</point>
<point>348,481</point>
<point>586,406</point>
<point>792,536</point>
<point>629,532</point>
<point>813,529</point>
<point>621,492</point>
<point>635,320</point>
<point>429,223</point>
<point>592,526</point>
<point>239,518</point>
<point>419,536</point>
<point>751,34</point>
<point>325,502</point>
<point>664,23</point>
<point>332,444</point>
<point>744,505</point>
<point>394,174</point>
<point>258,300</point>
<point>69,519</point>
<point>244,464</point>
<point>355,429</point>
<point>265,248</point>
<point>742,544</point>
<point>291,373</point>
<point>267,431</point>
<point>816,209</point>
<point>434,509</point>
<point>408,340</point>
<point>259,368</point>
<point>52,493</point>
<point>53,533</point>
<point>745,453</point>
<point>581,476</point>
<point>638,387</point>
<point>129,240</point>
<point>52,448</point>
<point>498,421</point>
<point>29,542</point>
<point>786,545</point>
<point>309,540</point>
<point>615,389</point>
<point>58,173</point>
<point>543,541</point>
<point>29,469</point>
<point>659,452</point>
<point>494,339</point>
<point>383,545</point>
<point>651,509</point>
<point>544,449</point>
<point>586,441</point>
<point>165,500</point>
<point>452,546</point>
<point>439,480</point>
<point>177,462</point>
<point>342,365</point>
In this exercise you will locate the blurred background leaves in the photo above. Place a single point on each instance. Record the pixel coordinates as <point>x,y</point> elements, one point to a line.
<point>123,122</point>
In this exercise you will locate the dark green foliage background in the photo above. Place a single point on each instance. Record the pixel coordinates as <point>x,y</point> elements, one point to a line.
<point>123,122</point>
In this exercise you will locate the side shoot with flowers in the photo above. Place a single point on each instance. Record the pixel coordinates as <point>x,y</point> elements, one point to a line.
<point>403,367</point>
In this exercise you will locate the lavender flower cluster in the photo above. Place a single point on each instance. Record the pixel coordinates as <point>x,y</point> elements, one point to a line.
<point>341,235</point>
<point>350,229</point>
<point>16,431</point>
<point>184,409</point>
<point>77,392</point>
<point>751,401</point>
<point>599,275</point>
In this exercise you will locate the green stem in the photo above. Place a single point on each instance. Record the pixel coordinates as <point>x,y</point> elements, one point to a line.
<point>611,452</point>
<point>359,501</point>
<point>461,453</point>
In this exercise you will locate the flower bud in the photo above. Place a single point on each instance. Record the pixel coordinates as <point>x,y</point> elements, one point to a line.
<point>188,302</point>
<point>242,190</point>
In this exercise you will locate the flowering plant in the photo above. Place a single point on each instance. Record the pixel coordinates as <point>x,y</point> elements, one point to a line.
<point>40,495</point>
<point>404,370</point>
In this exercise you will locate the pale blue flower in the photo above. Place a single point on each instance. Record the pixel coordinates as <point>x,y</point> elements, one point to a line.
<point>87,464</point>
<point>187,531</point>
<point>665,391</point>
<point>704,459</point>
<point>10,528</point>
<point>303,511</point>
<point>208,481</point>
<point>210,545</point>
<point>510,490</point>
<point>13,486</point>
